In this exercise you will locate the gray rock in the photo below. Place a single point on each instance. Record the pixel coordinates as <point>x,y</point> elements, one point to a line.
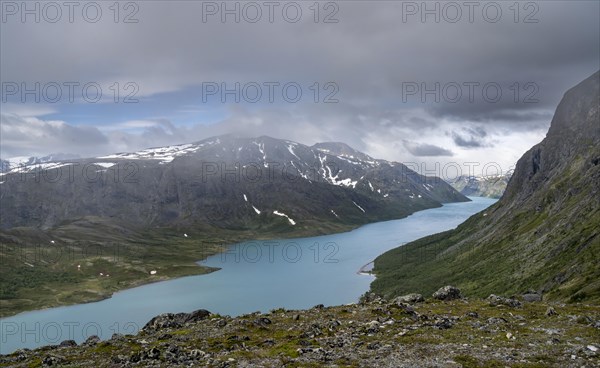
<point>135,357</point>
<point>52,360</point>
<point>408,309</point>
<point>119,359</point>
<point>443,323</point>
<point>67,343</point>
<point>263,322</point>
<point>409,298</point>
<point>334,324</point>
<point>532,297</point>
<point>496,300</point>
<point>447,293</point>
<point>170,320</point>
<point>496,320</point>
<point>92,340</point>
<point>374,346</point>
<point>268,342</point>
<point>117,337</point>
<point>197,354</point>
<point>153,353</point>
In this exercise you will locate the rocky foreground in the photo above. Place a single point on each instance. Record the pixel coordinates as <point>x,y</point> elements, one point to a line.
<point>446,330</point>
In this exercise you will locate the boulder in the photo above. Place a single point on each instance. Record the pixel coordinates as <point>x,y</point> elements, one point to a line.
<point>443,323</point>
<point>531,297</point>
<point>51,360</point>
<point>68,343</point>
<point>263,322</point>
<point>496,300</point>
<point>171,320</point>
<point>447,293</point>
<point>92,340</point>
<point>409,299</point>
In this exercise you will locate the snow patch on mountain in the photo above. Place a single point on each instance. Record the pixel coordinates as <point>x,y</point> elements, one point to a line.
<point>334,179</point>
<point>291,149</point>
<point>261,148</point>
<point>359,207</point>
<point>163,154</point>
<point>284,215</point>
<point>105,165</point>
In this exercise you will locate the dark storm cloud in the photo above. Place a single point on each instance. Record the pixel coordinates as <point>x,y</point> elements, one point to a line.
<point>426,150</point>
<point>470,142</point>
<point>470,137</point>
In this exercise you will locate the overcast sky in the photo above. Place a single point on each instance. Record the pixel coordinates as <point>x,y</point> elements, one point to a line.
<point>492,74</point>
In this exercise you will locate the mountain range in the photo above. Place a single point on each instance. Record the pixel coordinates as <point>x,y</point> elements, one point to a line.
<point>227,182</point>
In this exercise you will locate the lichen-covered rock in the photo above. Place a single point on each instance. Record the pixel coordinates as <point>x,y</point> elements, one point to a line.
<point>171,320</point>
<point>92,340</point>
<point>409,298</point>
<point>532,296</point>
<point>496,300</point>
<point>67,343</point>
<point>447,293</point>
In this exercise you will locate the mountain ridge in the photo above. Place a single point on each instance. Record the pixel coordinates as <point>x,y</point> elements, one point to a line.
<point>210,179</point>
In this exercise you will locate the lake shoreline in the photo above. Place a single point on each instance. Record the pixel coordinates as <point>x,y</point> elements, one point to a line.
<point>367,269</point>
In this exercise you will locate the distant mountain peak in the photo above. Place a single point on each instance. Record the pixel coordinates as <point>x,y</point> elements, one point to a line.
<point>492,186</point>
<point>13,163</point>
